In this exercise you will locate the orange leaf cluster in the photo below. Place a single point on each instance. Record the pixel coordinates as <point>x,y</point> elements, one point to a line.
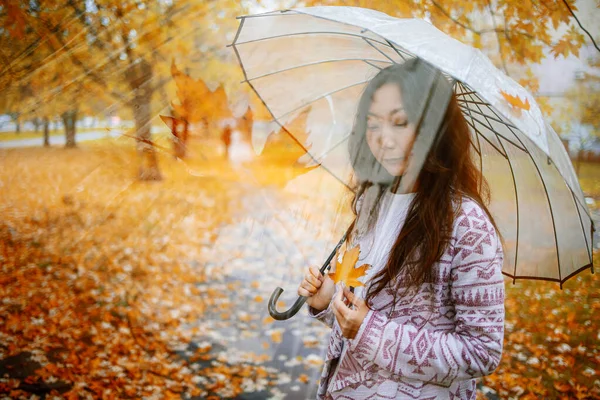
<point>570,43</point>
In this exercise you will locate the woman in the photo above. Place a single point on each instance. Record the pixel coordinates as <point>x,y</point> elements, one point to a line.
<point>430,319</point>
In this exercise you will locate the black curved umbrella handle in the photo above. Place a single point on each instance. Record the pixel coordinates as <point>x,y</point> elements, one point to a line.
<point>282,316</point>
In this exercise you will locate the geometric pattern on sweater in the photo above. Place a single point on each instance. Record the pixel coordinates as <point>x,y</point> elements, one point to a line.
<point>442,338</point>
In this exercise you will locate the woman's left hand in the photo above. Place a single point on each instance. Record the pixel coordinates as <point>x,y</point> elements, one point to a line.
<point>349,319</point>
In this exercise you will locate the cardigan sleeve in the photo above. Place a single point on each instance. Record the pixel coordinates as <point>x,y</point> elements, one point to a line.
<point>471,349</point>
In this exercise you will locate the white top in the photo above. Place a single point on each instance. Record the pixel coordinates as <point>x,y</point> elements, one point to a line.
<point>376,245</point>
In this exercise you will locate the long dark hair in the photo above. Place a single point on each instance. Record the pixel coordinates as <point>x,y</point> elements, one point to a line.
<point>449,174</point>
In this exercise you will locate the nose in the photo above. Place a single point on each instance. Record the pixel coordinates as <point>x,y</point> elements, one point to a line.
<point>387,139</point>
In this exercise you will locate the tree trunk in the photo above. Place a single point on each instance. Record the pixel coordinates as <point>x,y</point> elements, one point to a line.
<point>46,132</point>
<point>180,131</point>
<point>69,118</point>
<point>139,77</point>
<point>226,137</point>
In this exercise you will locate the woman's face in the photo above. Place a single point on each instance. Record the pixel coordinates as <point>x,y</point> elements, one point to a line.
<point>390,136</point>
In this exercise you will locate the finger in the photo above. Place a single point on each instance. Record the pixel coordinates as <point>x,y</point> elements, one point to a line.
<point>316,273</point>
<point>350,296</point>
<point>303,292</point>
<point>310,288</point>
<point>312,280</point>
<point>336,311</point>
<point>341,307</point>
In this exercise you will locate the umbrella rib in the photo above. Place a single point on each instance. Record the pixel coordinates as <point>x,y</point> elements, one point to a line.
<point>487,140</point>
<point>589,253</point>
<point>478,152</point>
<point>473,102</point>
<point>379,50</point>
<point>315,99</point>
<point>465,93</point>
<point>549,205</point>
<point>590,266</point>
<point>551,216</point>
<point>237,34</point>
<point>546,191</point>
<point>478,149</point>
<point>512,172</point>
<point>499,135</point>
<point>310,65</point>
<point>515,135</point>
<point>480,162</point>
<point>237,54</point>
<point>332,148</point>
<point>480,110</point>
<point>396,50</point>
<point>487,117</point>
<point>373,65</point>
<point>578,201</point>
<point>268,14</point>
<point>353,35</point>
<point>495,119</point>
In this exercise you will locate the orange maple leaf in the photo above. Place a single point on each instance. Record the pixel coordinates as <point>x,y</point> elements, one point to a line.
<point>564,47</point>
<point>196,100</point>
<point>562,387</point>
<point>281,145</point>
<point>515,101</point>
<point>346,271</point>
<point>281,153</point>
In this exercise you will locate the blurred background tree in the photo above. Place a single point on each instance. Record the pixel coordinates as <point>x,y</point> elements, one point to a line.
<point>66,59</point>
<point>578,117</point>
<point>119,52</point>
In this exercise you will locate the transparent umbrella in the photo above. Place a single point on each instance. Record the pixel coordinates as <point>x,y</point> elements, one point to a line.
<point>319,60</point>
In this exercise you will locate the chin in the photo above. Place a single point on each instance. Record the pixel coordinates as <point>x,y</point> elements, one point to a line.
<point>395,171</point>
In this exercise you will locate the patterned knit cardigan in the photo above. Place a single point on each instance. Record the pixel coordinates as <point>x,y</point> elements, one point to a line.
<point>436,343</point>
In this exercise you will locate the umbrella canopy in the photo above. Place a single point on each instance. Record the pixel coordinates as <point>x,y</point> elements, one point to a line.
<point>320,59</point>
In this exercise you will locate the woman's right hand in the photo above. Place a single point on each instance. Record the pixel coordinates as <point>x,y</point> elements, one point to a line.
<point>317,288</point>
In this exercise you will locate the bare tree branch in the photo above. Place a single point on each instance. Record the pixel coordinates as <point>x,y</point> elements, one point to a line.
<point>581,26</point>
<point>495,30</point>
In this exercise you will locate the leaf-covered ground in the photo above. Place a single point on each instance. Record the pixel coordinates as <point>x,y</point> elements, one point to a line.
<point>113,288</point>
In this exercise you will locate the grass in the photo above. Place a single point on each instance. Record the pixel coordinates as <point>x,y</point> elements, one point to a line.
<point>6,136</point>
<point>589,178</point>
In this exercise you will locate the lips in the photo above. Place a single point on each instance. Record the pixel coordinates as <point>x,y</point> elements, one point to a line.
<point>393,160</point>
